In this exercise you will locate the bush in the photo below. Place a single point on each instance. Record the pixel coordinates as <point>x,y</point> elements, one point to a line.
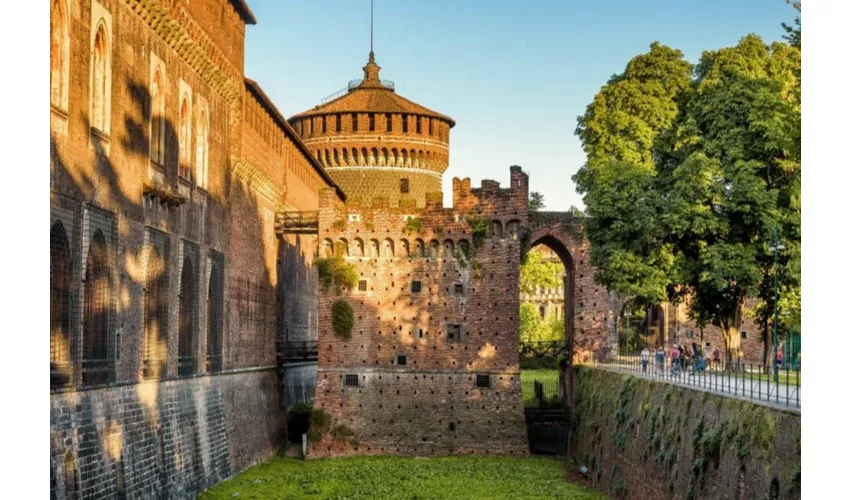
<point>334,271</point>
<point>412,226</point>
<point>342,318</point>
<point>480,229</point>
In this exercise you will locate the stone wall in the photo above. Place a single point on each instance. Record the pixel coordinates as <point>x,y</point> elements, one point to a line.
<point>162,439</point>
<point>645,439</point>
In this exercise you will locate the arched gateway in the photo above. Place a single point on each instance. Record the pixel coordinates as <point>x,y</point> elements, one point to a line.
<point>588,307</point>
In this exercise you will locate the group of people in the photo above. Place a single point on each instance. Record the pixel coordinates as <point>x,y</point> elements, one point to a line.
<point>681,358</point>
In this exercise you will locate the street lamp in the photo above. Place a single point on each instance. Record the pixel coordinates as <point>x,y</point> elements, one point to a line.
<point>776,247</point>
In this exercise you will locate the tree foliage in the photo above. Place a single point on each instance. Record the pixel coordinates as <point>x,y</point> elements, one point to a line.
<point>688,175</point>
<point>539,273</point>
<point>535,328</point>
<point>535,202</point>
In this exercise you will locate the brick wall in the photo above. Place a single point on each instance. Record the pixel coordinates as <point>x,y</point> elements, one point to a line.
<point>173,436</point>
<point>166,439</point>
<point>645,439</point>
<point>430,404</point>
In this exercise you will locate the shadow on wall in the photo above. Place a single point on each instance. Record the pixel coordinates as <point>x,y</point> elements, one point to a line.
<point>175,436</point>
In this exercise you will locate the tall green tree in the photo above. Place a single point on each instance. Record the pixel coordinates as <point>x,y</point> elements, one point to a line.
<point>535,202</point>
<point>692,215</point>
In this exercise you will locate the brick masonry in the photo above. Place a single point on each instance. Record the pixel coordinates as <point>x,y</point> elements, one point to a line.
<point>645,439</point>
<point>172,437</point>
<point>166,439</point>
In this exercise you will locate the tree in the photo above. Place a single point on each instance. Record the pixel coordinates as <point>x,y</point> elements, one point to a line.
<point>535,202</point>
<point>792,34</point>
<point>538,273</point>
<point>685,208</point>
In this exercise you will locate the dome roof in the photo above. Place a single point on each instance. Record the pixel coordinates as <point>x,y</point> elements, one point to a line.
<point>370,95</point>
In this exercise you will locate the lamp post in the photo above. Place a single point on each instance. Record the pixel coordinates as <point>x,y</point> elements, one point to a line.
<point>775,248</point>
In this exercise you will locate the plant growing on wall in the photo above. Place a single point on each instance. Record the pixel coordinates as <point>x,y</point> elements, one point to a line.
<point>412,225</point>
<point>334,271</point>
<point>339,224</point>
<point>342,318</point>
<point>480,228</point>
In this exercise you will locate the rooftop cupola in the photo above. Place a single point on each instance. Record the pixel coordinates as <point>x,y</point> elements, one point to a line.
<point>371,77</point>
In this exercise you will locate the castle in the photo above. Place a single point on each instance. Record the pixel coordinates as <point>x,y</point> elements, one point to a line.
<point>187,314</point>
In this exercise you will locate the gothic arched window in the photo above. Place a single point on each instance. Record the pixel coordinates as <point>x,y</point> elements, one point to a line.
<point>96,304</point>
<point>202,156</point>
<point>156,316</point>
<point>158,117</point>
<point>186,360</point>
<point>215,306</point>
<point>100,80</point>
<point>59,54</point>
<point>60,316</point>
<point>185,139</point>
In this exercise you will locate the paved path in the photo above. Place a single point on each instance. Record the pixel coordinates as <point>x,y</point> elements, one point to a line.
<point>744,386</point>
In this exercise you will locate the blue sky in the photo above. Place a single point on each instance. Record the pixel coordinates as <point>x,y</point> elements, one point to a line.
<point>514,75</point>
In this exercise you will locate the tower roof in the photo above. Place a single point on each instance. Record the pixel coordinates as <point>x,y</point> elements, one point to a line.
<point>371,95</point>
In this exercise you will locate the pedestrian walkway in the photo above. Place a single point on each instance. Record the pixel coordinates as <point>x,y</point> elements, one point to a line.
<point>741,381</point>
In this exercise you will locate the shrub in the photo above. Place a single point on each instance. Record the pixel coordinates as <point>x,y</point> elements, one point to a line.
<point>412,225</point>
<point>334,271</point>
<point>342,318</point>
<point>339,225</point>
<point>480,229</point>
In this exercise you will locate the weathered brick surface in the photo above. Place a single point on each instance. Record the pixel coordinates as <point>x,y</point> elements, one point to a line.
<point>173,437</point>
<point>429,405</point>
<point>166,439</point>
<point>645,439</point>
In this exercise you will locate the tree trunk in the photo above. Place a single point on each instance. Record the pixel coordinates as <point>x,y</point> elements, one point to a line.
<point>732,336</point>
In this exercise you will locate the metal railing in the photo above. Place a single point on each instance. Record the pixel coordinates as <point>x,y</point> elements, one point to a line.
<point>774,385</point>
<point>541,349</point>
<point>297,222</point>
<point>541,393</point>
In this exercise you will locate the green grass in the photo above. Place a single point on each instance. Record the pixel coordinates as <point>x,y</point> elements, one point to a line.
<point>404,478</point>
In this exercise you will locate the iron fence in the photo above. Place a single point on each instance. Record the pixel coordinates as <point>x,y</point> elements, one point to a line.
<point>775,385</point>
<point>538,393</point>
<point>543,349</point>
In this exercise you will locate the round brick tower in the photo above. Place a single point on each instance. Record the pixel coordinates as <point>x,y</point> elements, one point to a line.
<point>375,143</point>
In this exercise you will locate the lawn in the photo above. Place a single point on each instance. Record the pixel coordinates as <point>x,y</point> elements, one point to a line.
<point>404,478</point>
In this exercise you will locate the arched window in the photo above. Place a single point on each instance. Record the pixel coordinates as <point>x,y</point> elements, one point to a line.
<point>405,248</point>
<point>358,248</point>
<point>435,249</point>
<point>215,311</point>
<point>60,316</point>
<point>96,304</point>
<point>202,145</point>
<point>100,80</point>
<point>327,248</point>
<point>158,117</point>
<point>58,54</point>
<point>185,139</point>
<point>389,248</point>
<point>420,248</point>
<point>497,229</point>
<point>186,361</point>
<point>156,317</point>
<point>374,248</point>
<point>342,247</point>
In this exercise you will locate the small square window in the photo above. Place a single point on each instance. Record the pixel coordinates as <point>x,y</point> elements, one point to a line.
<point>482,381</point>
<point>401,360</point>
<point>744,335</point>
<point>416,287</point>
<point>708,344</point>
<point>405,185</point>
<point>352,381</point>
<point>454,333</point>
<point>361,286</point>
<point>458,288</point>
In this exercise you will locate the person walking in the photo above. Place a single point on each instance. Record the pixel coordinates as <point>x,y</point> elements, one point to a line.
<point>715,358</point>
<point>644,358</point>
<point>674,360</point>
